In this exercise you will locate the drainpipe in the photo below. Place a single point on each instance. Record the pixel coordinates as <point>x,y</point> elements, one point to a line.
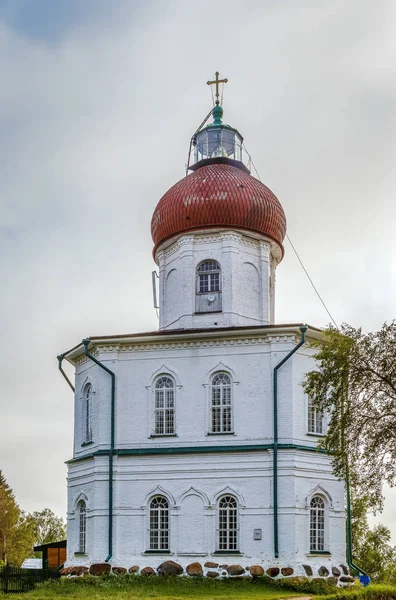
<point>86,343</point>
<point>349,530</point>
<point>303,330</point>
<point>60,360</point>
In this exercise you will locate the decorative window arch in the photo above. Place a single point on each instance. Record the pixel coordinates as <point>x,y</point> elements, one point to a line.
<point>227,523</point>
<point>221,418</point>
<point>315,419</point>
<point>159,523</point>
<point>82,534</point>
<point>208,279</point>
<point>208,286</point>
<point>164,405</point>
<point>317,524</point>
<point>87,401</point>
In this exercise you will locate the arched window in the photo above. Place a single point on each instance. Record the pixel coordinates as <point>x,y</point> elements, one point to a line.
<point>82,512</point>
<point>315,419</point>
<point>221,403</point>
<point>159,523</point>
<point>208,297</point>
<point>87,413</point>
<point>227,524</point>
<point>164,419</point>
<point>317,524</point>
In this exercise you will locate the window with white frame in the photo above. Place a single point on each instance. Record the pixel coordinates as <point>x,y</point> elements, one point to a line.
<point>208,296</point>
<point>208,277</point>
<point>159,523</point>
<point>317,524</point>
<point>87,413</point>
<point>82,515</point>
<point>227,538</point>
<point>221,403</point>
<point>315,419</point>
<point>164,417</point>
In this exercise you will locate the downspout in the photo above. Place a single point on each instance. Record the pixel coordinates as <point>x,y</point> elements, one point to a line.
<point>60,360</point>
<point>86,343</point>
<point>349,530</point>
<point>303,330</point>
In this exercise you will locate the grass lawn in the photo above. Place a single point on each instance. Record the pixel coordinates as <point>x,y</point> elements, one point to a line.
<point>157,588</point>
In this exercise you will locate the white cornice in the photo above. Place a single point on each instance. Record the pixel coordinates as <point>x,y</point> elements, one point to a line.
<point>192,339</point>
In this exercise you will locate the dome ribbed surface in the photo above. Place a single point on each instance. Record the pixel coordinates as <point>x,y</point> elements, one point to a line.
<point>218,195</point>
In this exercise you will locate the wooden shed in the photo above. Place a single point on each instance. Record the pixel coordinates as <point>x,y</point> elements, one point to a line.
<point>54,554</point>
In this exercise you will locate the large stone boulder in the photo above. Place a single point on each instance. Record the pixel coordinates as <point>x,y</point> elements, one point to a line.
<point>323,572</point>
<point>134,569</point>
<point>212,574</point>
<point>235,570</point>
<point>170,567</point>
<point>256,571</point>
<point>211,565</point>
<point>65,571</point>
<point>100,569</point>
<point>147,571</point>
<point>345,569</point>
<point>273,571</point>
<point>79,571</point>
<point>347,579</point>
<point>308,570</point>
<point>287,571</point>
<point>336,571</point>
<point>194,569</point>
<point>118,570</point>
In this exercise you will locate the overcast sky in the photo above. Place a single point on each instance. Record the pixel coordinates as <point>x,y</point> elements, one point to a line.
<point>98,102</point>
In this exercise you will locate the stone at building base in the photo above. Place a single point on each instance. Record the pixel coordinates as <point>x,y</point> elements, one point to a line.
<point>235,570</point>
<point>256,571</point>
<point>170,567</point>
<point>100,569</point>
<point>134,569</point>
<point>118,570</point>
<point>147,571</point>
<point>194,570</point>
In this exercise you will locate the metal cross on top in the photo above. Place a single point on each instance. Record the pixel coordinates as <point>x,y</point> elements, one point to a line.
<point>217,81</point>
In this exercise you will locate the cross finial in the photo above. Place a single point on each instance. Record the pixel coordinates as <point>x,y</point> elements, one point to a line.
<point>217,81</point>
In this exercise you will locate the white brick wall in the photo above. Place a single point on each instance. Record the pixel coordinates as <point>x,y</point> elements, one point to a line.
<point>248,262</point>
<point>197,479</point>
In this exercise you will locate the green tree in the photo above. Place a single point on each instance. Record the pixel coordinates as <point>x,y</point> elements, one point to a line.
<point>355,381</point>
<point>16,528</point>
<point>48,527</point>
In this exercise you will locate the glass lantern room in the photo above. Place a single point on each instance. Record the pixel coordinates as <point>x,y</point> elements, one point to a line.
<point>216,142</point>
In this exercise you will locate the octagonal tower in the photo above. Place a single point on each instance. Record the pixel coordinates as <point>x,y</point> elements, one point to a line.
<point>218,236</point>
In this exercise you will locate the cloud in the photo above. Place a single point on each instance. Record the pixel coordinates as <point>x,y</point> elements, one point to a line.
<point>97,110</point>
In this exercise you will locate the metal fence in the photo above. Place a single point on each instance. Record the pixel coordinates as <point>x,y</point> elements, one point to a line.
<point>14,580</point>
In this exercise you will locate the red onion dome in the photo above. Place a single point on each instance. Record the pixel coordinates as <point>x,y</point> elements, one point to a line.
<point>218,195</point>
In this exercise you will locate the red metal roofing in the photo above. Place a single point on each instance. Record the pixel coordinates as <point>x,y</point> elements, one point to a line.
<point>218,195</point>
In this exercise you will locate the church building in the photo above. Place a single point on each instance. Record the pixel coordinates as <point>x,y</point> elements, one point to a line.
<point>196,443</point>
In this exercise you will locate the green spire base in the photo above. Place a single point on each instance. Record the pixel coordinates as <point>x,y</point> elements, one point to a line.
<point>217,113</point>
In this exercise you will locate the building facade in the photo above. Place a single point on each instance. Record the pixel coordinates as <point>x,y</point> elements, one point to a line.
<point>193,443</point>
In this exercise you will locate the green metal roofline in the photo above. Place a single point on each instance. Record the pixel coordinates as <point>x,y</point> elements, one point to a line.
<point>195,450</point>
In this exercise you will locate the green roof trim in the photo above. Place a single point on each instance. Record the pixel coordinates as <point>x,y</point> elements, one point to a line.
<point>195,450</point>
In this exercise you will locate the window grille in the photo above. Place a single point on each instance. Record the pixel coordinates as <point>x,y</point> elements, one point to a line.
<point>221,403</point>
<point>315,419</point>
<point>228,524</point>
<point>159,523</point>
<point>83,526</point>
<point>317,524</point>
<point>164,406</point>
<point>88,413</point>
<point>209,277</point>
